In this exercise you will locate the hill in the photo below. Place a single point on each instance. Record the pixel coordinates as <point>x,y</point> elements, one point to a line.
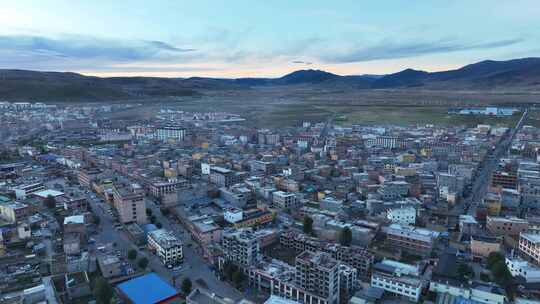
<point>513,75</point>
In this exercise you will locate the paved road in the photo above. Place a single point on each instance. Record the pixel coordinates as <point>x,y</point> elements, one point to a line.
<point>194,266</point>
<point>490,164</point>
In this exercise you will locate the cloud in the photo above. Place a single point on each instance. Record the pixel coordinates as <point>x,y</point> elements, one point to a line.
<point>302,62</point>
<point>395,50</point>
<point>82,47</point>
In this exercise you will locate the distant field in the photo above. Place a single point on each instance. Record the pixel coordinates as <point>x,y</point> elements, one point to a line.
<point>274,108</point>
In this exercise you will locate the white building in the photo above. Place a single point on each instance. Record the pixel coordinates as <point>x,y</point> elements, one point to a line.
<point>529,246</point>
<point>398,278</point>
<point>402,215</point>
<point>284,200</point>
<point>233,215</point>
<point>166,245</point>
<point>170,133</point>
<point>522,268</point>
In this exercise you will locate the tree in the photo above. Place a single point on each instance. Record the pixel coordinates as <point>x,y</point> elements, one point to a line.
<point>164,211</point>
<point>103,291</point>
<point>50,202</point>
<point>132,254</point>
<point>186,286</point>
<point>465,272</point>
<point>238,277</point>
<point>148,212</point>
<point>153,219</point>
<point>345,237</point>
<point>493,258</point>
<point>97,220</point>
<point>159,225</point>
<point>308,225</point>
<point>229,269</point>
<point>143,263</point>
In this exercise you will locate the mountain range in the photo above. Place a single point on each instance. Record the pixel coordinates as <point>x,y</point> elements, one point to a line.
<point>517,75</point>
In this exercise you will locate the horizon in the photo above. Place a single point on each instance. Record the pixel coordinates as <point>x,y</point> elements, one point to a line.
<point>219,39</point>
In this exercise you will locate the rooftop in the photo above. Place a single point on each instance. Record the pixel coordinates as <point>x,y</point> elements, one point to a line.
<point>138,291</point>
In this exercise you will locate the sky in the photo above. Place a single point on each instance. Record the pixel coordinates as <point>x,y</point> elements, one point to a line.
<point>262,38</point>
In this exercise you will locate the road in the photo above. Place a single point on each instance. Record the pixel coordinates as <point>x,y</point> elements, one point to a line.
<point>194,266</point>
<point>488,165</point>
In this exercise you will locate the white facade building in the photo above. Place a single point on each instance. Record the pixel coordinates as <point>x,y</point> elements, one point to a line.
<point>402,215</point>
<point>166,245</point>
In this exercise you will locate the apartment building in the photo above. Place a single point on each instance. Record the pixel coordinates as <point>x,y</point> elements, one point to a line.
<point>165,133</point>
<point>87,176</point>
<point>529,247</point>
<point>506,226</point>
<point>284,200</point>
<point>129,203</point>
<point>483,245</point>
<point>166,246</point>
<point>409,238</point>
<point>223,177</point>
<point>398,278</point>
<point>504,179</point>
<point>402,215</point>
<point>318,273</point>
<point>522,268</point>
<point>22,191</point>
<point>13,211</point>
<point>240,246</point>
<point>355,256</point>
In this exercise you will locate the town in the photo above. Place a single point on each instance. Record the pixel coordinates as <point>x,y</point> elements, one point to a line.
<point>201,208</point>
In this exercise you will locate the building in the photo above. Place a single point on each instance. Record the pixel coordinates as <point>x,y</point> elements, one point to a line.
<point>87,176</point>
<point>482,246</point>
<point>240,247</point>
<point>402,215</point>
<point>22,191</point>
<point>233,215</point>
<point>223,177</point>
<point>506,226</point>
<point>412,239</point>
<point>109,265</point>
<point>284,200</point>
<point>129,203</point>
<point>167,133</point>
<point>504,179</point>
<point>522,268</point>
<point>13,211</point>
<point>529,247</point>
<point>462,292</point>
<point>166,246</point>
<point>147,289</point>
<point>318,273</point>
<point>398,278</point>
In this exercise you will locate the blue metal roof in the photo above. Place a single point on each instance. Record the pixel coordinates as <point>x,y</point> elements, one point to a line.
<point>147,289</point>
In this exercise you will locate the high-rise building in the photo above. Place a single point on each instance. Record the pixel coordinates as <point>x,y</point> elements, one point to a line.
<point>240,246</point>
<point>318,273</point>
<point>129,203</point>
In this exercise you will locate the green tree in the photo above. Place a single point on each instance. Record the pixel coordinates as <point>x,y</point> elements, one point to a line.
<point>153,219</point>
<point>308,225</point>
<point>148,212</point>
<point>132,254</point>
<point>165,211</point>
<point>97,220</point>
<point>229,269</point>
<point>238,277</point>
<point>345,236</point>
<point>159,225</point>
<point>143,263</point>
<point>50,202</point>
<point>186,286</point>
<point>103,291</point>
<point>465,272</point>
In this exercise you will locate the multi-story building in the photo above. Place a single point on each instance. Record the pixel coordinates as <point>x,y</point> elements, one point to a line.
<point>483,245</point>
<point>87,176</point>
<point>398,278</point>
<point>318,273</point>
<point>529,247</point>
<point>22,191</point>
<point>284,200</point>
<point>223,177</point>
<point>13,211</point>
<point>412,239</point>
<point>402,215</point>
<point>504,179</point>
<point>355,256</point>
<point>240,246</point>
<point>166,245</point>
<point>506,226</point>
<point>165,133</point>
<point>348,282</point>
<point>129,203</point>
<point>522,268</point>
